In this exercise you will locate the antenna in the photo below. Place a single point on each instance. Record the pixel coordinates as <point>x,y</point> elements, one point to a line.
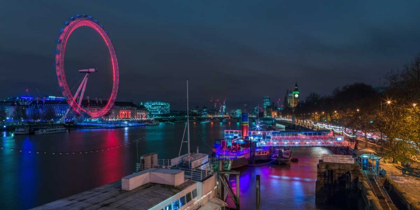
<point>188,124</point>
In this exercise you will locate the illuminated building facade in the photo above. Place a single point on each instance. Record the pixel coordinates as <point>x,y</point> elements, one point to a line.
<point>53,107</point>
<point>267,106</point>
<point>157,107</point>
<point>39,109</point>
<point>266,102</point>
<point>204,111</point>
<point>7,107</point>
<point>30,108</point>
<point>127,111</point>
<point>237,113</point>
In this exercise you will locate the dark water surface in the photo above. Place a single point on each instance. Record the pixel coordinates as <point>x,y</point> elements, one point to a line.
<point>282,186</point>
<point>40,174</point>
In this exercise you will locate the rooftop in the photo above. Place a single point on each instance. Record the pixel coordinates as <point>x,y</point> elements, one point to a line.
<point>111,196</point>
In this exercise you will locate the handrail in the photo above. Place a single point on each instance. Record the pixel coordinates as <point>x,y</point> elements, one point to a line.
<point>194,174</point>
<point>388,202</point>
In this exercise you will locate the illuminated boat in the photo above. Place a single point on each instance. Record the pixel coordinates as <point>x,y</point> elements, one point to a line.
<point>263,153</point>
<point>235,152</point>
<point>282,156</point>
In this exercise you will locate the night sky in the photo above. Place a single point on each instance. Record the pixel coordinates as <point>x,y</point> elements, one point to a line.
<point>238,50</point>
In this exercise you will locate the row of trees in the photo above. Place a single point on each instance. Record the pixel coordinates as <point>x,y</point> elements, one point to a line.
<point>20,114</point>
<point>392,110</point>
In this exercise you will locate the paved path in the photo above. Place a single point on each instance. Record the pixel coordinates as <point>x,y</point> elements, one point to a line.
<point>409,183</point>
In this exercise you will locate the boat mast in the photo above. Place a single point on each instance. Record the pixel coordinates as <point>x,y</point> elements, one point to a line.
<point>188,128</point>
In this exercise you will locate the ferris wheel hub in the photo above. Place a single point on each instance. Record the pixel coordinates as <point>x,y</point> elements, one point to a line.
<point>91,70</point>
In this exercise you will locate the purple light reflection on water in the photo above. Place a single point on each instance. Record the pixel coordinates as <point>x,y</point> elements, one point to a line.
<point>283,187</point>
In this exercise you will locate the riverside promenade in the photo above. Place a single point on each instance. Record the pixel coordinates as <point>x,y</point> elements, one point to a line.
<point>404,187</point>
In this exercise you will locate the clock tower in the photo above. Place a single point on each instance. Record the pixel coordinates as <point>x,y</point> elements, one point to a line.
<point>293,100</point>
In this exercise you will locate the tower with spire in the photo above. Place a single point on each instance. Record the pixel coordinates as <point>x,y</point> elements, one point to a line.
<point>293,100</point>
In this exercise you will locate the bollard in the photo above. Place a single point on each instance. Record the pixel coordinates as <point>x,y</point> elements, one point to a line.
<point>237,189</point>
<point>258,193</point>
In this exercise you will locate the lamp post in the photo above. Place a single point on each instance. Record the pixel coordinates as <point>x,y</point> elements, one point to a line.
<point>388,102</point>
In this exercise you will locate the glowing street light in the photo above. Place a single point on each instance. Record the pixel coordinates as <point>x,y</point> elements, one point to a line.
<point>358,110</point>
<point>388,102</point>
<point>414,104</point>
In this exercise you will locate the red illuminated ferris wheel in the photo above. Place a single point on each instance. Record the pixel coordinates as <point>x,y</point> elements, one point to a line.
<point>75,100</point>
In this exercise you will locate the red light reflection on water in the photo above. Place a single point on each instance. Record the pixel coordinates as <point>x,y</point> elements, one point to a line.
<point>111,165</point>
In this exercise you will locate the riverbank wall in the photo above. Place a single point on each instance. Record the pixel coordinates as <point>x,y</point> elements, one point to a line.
<point>344,186</point>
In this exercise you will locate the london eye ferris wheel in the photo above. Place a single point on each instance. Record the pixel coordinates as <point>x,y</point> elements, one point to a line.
<point>75,100</point>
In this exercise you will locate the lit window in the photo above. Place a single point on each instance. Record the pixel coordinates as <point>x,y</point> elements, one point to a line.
<point>182,201</point>
<point>168,207</point>
<point>194,193</point>
<point>175,205</point>
<point>188,197</point>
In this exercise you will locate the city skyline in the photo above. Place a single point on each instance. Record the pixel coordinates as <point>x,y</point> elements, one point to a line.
<point>160,45</point>
<point>181,105</point>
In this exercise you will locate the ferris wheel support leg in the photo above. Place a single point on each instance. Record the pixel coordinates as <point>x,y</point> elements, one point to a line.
<point>84,83</point>
<point>75,96</point>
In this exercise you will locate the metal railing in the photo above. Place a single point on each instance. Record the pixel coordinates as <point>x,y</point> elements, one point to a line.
<point>304,143</point>
<point>197,174</point>
<point>381,194</point>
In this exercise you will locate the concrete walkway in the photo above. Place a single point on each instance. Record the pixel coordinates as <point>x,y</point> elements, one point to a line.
<point>410,184</point>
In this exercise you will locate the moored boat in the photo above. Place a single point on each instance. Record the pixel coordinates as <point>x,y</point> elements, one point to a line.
<point>282,156</point>
<point>152,123</point>
<point>51,130</point>
<point>23,131</point>
<point>235,152</point>
<point>263,153</point>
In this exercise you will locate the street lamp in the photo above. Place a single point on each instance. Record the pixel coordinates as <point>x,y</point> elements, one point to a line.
<point>358,110</point>
<point>388,102</point>
<point>414,104</point>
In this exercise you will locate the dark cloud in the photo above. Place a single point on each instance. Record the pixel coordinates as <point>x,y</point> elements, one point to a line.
<point>238,50</point>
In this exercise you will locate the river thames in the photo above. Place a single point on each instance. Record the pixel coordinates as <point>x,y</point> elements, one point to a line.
<point>38,169</point>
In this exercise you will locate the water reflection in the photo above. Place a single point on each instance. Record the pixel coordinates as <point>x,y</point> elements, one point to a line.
<point>30,179</point>
<point>283,187</point>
